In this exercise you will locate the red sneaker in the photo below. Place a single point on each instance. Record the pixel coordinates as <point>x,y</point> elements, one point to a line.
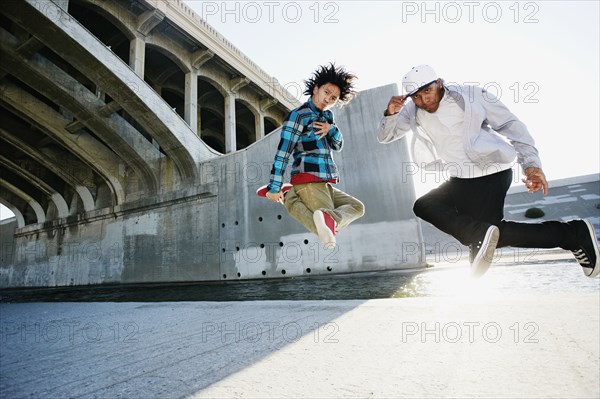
<point>326,227</point>
<point>262,191</point>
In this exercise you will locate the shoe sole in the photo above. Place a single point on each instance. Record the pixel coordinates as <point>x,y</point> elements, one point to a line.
<point>262,191</point>
<point>484,258</point>
<point>325,235</point>
<point>596,268</point>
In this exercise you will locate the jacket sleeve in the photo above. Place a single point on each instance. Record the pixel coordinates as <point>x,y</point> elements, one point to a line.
<point>334,136</point>
<point>504,122</point>
<point>394,127</point>
<point>290,133</point>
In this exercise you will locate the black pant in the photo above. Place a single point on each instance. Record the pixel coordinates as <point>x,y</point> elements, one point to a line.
<point>465,208</point>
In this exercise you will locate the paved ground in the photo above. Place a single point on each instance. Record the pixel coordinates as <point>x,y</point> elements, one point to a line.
<point>473,343</point>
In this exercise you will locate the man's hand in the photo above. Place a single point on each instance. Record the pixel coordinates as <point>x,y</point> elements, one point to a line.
<point>275,197</point>
<point>395,105</point>
<point>321,128</point>
<point>535,180</point>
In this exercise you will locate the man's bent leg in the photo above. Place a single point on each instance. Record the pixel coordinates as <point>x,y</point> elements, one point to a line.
<point>465,208</point>
<point>438,208</point>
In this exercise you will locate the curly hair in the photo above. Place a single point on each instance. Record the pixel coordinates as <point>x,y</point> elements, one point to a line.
<point>334,75</point>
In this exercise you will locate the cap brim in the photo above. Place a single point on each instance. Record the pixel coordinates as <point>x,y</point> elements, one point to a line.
<point>412,93</point>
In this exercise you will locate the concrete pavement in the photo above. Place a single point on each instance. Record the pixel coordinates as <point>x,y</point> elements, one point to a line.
<point>471,344</point>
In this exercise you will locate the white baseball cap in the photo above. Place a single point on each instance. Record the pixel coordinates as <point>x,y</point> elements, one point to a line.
<point>417,78</point>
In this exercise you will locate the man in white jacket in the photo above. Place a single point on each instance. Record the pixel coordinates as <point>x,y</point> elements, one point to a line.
<point>476,139</point>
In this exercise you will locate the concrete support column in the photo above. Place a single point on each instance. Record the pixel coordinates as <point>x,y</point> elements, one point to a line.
<point>230,140</point>
<point>235,85</point>
<point>264,105</point>
<point>259,126</point>
<point>198,59</point>
<point>190,113</point>
<point>137,55</point>
<point>199,121</point>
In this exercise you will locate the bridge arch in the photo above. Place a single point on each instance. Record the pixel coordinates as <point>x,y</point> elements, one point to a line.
<point>111,31</point>
<point>81,91</point>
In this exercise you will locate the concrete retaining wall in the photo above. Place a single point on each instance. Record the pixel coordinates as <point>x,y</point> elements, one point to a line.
<point>220,230</point>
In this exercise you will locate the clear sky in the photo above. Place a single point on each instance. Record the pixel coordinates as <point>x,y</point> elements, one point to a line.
<point>540,57</point>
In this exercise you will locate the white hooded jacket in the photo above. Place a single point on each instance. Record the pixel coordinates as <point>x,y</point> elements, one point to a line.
<point>486,121</point>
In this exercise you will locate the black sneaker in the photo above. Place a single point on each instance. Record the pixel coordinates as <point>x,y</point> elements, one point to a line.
<point>481,252</point>
<point>587,253</point>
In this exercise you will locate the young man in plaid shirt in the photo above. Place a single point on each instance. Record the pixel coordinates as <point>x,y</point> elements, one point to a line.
<point>309,135</point>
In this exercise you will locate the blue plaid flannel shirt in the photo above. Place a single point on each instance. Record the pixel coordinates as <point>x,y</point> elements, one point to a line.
<point>310,154</point>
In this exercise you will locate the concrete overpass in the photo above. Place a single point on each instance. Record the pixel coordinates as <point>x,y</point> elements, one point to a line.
<point>132,138</point>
